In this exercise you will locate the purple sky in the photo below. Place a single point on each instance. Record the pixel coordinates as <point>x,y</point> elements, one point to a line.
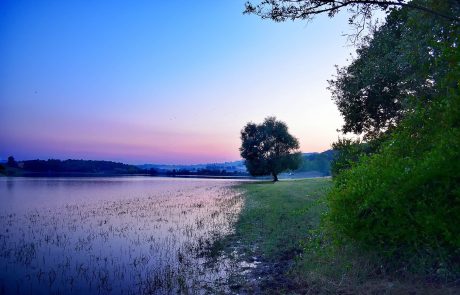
<point>159,82</point>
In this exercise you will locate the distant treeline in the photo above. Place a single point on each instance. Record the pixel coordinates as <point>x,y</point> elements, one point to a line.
<point>203,172</point>
<point>320,162</point>
<point>54,167</point>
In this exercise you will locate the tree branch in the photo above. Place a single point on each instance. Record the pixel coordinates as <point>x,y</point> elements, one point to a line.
<point>294,9</point>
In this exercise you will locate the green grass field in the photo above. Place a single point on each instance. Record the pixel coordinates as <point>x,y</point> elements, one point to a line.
<point>278,215</point>
<point>274,222</point>
<point>280,229</point>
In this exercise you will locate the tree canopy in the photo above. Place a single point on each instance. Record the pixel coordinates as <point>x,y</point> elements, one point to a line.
<point>398,67</point>
<point>268,148</point>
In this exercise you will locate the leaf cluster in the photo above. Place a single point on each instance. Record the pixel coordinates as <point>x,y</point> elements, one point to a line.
<point>349,152</point>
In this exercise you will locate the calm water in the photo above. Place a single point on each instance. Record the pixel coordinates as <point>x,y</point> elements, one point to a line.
<point>123,235</point>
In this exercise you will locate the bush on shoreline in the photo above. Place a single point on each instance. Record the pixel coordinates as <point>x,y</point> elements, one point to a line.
<point>404,201</point>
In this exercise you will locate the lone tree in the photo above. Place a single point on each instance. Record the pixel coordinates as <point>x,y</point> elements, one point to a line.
<point>12,162</point>
<point>268,148</point>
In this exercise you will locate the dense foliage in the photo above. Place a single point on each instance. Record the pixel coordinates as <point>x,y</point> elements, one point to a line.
<point>348,152</point>
<point>398,67</point>
<point>396,193</point>
<point>405,199</point>
<point>268,148</point>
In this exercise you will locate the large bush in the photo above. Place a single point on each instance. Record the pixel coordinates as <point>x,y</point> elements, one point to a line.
<point>405,199</point>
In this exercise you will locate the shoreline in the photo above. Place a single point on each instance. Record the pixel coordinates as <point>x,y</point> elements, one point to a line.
<point>85,175</point>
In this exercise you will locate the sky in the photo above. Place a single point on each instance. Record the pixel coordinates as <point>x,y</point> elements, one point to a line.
<point>167,82</point>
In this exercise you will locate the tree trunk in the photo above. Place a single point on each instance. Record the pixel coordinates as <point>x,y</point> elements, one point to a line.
<point>275,177</point>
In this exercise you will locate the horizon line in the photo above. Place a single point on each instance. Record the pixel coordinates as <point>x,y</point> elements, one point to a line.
<point>4,160</point>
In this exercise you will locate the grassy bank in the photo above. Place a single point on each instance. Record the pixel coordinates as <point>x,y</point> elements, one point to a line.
<point>269,232</point>
<point>278,215</point>
<point>283,248</point>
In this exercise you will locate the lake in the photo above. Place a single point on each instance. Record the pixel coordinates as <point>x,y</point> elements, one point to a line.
<point>117,235</point>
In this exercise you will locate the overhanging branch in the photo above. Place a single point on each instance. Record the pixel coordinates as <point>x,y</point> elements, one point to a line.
<point>281,10</point>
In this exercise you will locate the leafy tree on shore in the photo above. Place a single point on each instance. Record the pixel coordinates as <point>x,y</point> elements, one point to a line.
<point>269,149</point>
<point>12,162</point>
<point>398,67</point>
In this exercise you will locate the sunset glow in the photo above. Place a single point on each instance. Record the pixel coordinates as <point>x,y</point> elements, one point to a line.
<point>129,82</point>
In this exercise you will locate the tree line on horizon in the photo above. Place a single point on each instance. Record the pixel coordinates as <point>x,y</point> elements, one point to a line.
<point>55,166</point>
<point>313,162</point>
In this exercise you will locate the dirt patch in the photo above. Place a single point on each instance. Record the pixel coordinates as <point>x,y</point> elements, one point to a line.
<point>251,273</point>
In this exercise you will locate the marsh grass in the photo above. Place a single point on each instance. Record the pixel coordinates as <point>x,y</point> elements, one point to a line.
<point>142,245</point>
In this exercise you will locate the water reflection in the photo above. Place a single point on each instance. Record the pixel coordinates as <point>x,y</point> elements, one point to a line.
<point>9,184</point>
<point>114,235</point>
